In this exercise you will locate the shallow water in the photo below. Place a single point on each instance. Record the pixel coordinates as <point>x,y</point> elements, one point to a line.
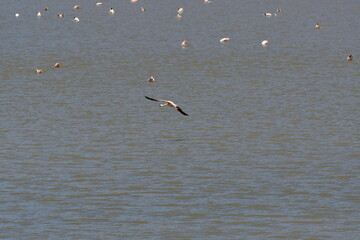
<point>270,149</point>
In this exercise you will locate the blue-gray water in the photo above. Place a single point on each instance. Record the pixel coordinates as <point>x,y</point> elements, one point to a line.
<point>270,149</point>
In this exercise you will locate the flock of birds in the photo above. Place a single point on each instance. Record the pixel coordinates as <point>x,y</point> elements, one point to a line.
<point>184,44</point>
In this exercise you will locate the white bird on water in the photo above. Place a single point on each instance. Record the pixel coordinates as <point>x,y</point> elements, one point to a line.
<point>76,19</point>
<point>180,11</point>
<point>265,43</point>
<point>224,40</point>
<point>169,104</point>
<point>111,11</point>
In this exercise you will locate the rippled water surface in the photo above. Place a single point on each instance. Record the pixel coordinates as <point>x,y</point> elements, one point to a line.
<point>270,149</point>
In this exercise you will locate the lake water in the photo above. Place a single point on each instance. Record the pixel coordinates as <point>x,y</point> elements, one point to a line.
<point>270,149</point>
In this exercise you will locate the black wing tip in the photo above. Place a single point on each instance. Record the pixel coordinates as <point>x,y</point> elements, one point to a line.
<point>182,112</point>
<point>153,99</point>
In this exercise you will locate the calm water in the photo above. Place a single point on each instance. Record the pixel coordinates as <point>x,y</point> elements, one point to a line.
<point>270,149</point>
